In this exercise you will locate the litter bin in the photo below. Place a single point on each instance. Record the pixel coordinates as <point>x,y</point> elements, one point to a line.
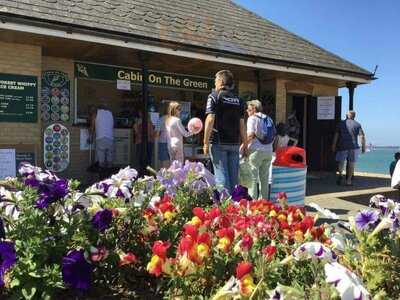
<point>289,172</point>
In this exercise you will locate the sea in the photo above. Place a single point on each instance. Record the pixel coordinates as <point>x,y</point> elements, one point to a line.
<point>377,160</point>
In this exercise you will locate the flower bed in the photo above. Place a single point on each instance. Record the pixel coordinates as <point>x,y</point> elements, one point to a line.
<point>174,236</point>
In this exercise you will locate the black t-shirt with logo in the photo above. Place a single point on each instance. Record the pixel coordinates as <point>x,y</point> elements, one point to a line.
<point>228,110</point>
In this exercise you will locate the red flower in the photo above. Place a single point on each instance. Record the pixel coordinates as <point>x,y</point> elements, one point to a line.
<point>214,213</point>
<point>243,269</point>
<point>160,248</point>
<point>186,244</point>
<point>226,232</point>
<point>199,212</point>
<point>127,258</point>
<point>269,251</point>
<point>204,238</point>
<point>246,242</point>
<point>191,230</point>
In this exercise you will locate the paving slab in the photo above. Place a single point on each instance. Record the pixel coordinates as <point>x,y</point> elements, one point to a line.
<point>347,200</point>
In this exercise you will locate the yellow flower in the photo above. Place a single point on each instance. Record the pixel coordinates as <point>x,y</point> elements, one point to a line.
<point>282,217</point>
<point>203,250</point>
<point>272,213</point>
<point>224,244</point>
<point>155,259</point>
<point>169,215</point>
<point>195,221</point>
<point>186,266</point>
<point>247,285</point>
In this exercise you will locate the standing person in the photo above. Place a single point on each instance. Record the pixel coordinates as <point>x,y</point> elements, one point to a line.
<point>224,129</point>
<point>260,138</point>
<point>102,125</point>
<point>393,163</point>
<point>175,132</point>
<point>294,129</point>
<point>163,155</point>
<point>345,144</point>
<point>137,138</point>
<point>281,139</point>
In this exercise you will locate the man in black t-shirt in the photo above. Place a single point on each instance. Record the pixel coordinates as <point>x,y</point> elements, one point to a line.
<point>224,130</point>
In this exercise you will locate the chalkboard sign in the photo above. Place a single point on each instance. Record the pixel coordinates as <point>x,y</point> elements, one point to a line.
<point>18,98</point>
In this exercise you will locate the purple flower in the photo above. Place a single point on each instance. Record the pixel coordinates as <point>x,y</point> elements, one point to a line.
<point>8,258</point>
<point>239,193</point>
<point>366,217</point>
<point>76,271</point>
<point>102,220</point>
<point>52,192</point>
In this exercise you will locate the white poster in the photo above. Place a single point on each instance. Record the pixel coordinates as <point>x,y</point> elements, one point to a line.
<point>84,138</point>
<point>7,163</point>
<point>123,85</point>
<point>326,108</point>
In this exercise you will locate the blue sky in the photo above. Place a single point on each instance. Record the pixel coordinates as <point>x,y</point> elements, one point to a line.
<point>366,33</point>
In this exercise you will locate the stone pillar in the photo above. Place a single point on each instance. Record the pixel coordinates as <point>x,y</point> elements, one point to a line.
<point>280,100</point>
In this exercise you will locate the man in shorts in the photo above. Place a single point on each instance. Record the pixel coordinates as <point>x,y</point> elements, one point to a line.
<point>345,144</point>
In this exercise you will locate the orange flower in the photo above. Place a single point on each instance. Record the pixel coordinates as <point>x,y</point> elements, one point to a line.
<point>243,271</point>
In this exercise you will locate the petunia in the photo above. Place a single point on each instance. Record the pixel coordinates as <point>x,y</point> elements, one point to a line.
<point>76,271</point>
<point>98,254</point>
<point>8,257</point>
<point>229,291</point>
<point>314,250</point>
<point>346,282</point>
<point>365,218</point>
<point>239,193</point>
<point>52,192</point>
<point>102,220</point>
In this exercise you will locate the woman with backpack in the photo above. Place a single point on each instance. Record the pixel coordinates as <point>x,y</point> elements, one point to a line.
<point>260,136</point>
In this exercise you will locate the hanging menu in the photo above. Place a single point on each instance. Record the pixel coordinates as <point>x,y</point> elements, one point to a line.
<point>56,147</point>
<point>18,98</point>
<point>55,96</point>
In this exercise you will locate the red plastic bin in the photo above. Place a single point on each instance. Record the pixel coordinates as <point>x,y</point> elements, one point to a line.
<point>291,157</point>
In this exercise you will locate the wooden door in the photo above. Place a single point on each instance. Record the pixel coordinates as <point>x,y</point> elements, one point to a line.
<point>320,136</point>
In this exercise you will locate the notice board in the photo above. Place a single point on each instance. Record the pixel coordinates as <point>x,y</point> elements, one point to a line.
<point>18,98</point>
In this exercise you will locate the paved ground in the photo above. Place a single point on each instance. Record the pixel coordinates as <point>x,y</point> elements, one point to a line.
<point>343,200</point>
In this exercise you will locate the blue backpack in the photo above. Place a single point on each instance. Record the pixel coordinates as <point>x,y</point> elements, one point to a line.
<point>267,132</point>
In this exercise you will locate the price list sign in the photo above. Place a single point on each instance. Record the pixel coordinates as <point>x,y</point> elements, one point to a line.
<point>18,98</point>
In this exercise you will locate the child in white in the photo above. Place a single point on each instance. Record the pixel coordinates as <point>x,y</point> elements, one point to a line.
<point>175,132</point>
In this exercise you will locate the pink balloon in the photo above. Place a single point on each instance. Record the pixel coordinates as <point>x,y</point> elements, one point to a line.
<point>195,125</point>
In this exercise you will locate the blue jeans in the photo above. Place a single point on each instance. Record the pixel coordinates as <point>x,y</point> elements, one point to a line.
<point>225,160</point>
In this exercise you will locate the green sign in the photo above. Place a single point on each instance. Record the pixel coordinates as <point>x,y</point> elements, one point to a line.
<point>155,78</point>
<point>24,157</point>
<point>18,98</point>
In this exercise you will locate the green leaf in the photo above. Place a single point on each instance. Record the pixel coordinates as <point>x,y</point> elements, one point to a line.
<point>29,294</point>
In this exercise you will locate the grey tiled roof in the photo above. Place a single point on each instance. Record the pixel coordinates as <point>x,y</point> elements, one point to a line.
<point>220,25</point>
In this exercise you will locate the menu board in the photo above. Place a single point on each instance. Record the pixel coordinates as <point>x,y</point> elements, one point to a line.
<point>56,148</point>
<point>55,96</point>
<point>7,163</point>
<point>18,98</point>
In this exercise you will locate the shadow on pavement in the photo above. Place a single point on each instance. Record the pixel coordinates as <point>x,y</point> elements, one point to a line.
<point>364,199</point>
<point>326,184</point>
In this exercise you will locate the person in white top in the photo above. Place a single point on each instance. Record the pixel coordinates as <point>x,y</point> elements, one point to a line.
<point>102,125</point>
<point>260,155</point>
<point>281,139</point>
<point>175,132</point>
